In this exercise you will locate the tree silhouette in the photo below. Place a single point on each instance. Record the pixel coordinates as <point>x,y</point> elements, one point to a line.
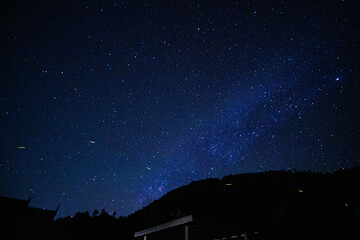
<point>95,213</point>
<point>270,205</point>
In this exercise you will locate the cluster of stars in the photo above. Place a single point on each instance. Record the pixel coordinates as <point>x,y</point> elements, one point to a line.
<point>113,104</point>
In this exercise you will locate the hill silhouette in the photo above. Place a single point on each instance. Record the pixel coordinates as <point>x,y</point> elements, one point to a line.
<point>268,205</point>
<point>275,204</point>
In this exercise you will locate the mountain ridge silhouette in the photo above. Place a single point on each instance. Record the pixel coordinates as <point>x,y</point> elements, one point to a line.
<point>267,205</point>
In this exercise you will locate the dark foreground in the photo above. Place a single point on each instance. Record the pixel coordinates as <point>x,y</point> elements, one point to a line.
<point>269,205</point>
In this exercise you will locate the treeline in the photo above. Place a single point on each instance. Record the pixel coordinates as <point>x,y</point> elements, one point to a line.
<point>269,205</point>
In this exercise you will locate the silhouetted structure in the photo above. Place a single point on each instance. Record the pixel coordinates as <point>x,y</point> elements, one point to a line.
<point>177,222</point>
<point>278,205</point>
<point>18,220</point>
<point>268,205</point>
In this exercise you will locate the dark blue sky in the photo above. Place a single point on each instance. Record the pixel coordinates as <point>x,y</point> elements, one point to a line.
<point>115,103</point>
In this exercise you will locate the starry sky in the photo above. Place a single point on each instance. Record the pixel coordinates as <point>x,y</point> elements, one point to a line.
<point>112,104</point>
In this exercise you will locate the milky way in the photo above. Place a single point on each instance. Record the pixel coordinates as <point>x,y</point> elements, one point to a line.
<point>112,104</point>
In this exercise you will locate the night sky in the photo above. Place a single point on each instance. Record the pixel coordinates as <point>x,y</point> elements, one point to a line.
<point>112,104</point>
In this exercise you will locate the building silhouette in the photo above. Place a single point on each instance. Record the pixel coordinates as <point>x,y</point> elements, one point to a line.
<point>20,221</point>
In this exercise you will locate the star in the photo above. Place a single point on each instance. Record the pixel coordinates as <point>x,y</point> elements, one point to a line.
<point>216,90</point>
